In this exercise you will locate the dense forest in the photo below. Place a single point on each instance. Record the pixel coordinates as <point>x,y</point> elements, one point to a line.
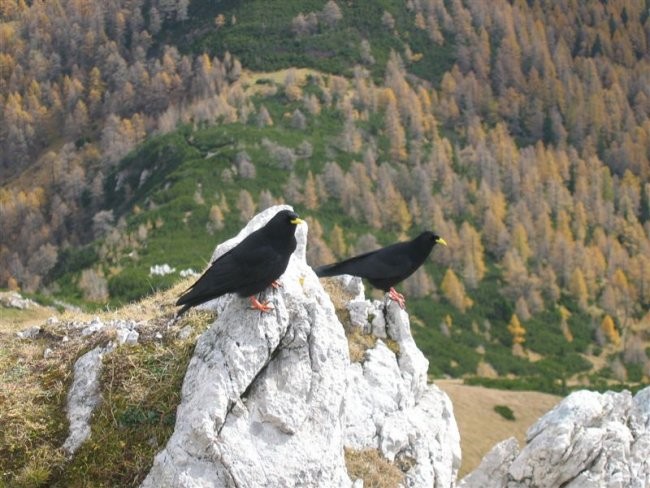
<point>519,131</point>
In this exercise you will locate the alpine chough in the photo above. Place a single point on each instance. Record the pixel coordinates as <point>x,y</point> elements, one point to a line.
<point>386,267</point>
<point>249,267</point>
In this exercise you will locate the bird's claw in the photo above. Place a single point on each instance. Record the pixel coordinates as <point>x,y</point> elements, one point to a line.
<point>394,295</point>
<point>262,307</point>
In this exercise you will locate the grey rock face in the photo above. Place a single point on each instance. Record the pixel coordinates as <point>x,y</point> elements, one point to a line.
<point>389,405</point>
<point>262,395</point>
<point>29,333</point>
<point>589,439</point>
<point>493,470</point>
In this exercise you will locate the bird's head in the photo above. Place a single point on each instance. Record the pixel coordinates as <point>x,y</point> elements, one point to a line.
<point>293,218</point>
<point>439,240</point>
<point>431,239</point>
<point>285,219</point>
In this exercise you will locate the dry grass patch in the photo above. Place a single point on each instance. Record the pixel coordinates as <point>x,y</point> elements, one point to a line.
<point>359,343</point>
<point>33,395</point>
<point>14,320</point>
<point>338,296</point>
<point>481,426</point>
<point>373,468</point>
<point>140,390</point>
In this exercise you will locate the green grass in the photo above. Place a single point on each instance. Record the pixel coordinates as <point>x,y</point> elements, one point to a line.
<point>154,186</point>
<point>177,165</point>
<point>33,395</point>
<point>140,390</point>
<point>505,411</point>
<point>262,38</point>
<point>141,387</point>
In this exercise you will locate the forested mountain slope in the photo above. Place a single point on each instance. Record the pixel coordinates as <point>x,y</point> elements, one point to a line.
<point>519,131</point>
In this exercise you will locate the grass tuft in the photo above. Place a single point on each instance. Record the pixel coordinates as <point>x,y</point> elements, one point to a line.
<point>359,343</point>
<point>140,389</point>
<point>505,411</point>
<point>374,469</point>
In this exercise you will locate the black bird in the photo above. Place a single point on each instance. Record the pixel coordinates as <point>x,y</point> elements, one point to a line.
<point>386,267</point>
<point>249,267</point>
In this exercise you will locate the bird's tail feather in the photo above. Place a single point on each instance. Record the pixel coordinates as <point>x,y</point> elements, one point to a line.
<point>343,267</point>
<point>195,295</point>
<point>183,310</point>
<point>327,270</point>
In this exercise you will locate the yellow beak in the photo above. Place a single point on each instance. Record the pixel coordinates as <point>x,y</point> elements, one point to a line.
<point>297,221</point>
<point>441,241</point>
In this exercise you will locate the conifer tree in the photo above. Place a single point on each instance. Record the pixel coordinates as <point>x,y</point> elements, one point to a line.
<point>454,291</point>
<point>609,329</point>
<point>516,330</point>
<point>337,242</point>
<point>310,197</point>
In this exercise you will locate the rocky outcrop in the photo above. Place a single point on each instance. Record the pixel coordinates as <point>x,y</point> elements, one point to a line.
<point>589,439</point>
<point>262,395</point>
<point>389,405</point>
<point>272,399</point>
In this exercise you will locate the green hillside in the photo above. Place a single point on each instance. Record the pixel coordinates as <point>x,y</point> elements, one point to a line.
<point>264,36</point>
<point>526,147</point>
<point>193,170</point>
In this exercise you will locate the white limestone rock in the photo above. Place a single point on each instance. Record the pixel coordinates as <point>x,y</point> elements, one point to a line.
<point>378,321</point>
<point>125,331</point>
<point>352,285</point>
<point>185,332</point>
<point>262,395</point>
<point>493,470</point>
<point>389,405</point>
<point>128,337</point>
<point>83,397</point>
<point>358,310</point>
<point>29,333</point>
<point>588,439</point>
<point>12,299</point>
<point>95,326</point>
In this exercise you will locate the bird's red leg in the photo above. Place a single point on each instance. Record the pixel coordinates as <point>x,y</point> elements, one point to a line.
<point>393,294</point>
<point>276,284</point>
<point>257,305</point>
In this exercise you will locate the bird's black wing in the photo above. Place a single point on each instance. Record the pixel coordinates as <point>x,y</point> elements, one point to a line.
<point>387,262</point>
<point>240,268</point>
